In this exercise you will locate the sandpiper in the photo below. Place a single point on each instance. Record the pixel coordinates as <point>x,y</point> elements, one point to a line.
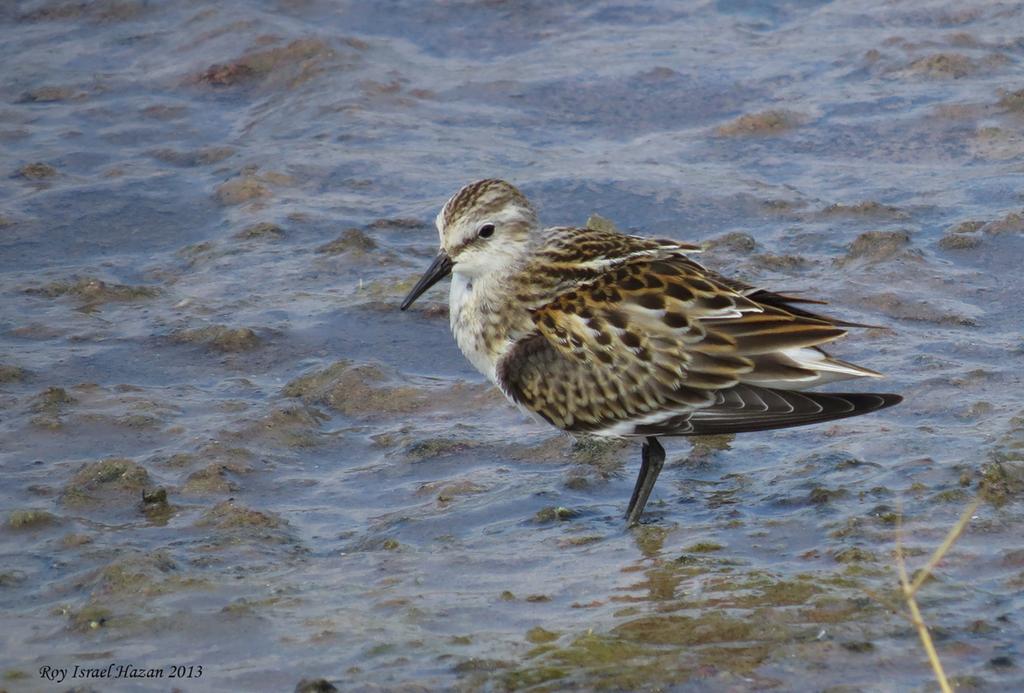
<point>607,334</point>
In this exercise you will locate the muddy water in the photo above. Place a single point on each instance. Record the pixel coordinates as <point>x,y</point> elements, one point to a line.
<point>224,447</point>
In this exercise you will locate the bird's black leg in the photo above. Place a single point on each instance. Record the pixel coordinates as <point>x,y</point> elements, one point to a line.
<point>651,462</point>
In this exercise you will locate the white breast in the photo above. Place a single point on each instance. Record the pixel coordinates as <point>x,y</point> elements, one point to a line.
<point>468,325</point>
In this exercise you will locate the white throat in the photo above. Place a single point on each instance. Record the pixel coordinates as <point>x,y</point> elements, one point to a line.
<point>470,324</point>
<point>461,292</point>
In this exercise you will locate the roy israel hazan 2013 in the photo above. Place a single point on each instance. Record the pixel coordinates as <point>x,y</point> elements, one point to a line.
<point>115,670</point>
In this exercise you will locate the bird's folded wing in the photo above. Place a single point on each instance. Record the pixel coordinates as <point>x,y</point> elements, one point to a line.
<point>656,337</point>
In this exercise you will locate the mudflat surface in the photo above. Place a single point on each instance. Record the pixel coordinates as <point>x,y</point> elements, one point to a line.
<point>221,445</point>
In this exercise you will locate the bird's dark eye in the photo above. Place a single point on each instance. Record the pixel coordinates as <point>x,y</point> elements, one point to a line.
<point>486,231</point>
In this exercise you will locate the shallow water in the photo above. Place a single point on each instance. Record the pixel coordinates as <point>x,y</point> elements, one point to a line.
<point>210,211</point>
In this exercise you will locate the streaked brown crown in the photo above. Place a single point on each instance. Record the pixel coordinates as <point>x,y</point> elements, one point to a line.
<point>482,198</point>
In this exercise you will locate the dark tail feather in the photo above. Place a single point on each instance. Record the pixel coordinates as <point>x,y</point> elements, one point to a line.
<point>786,301</point>
<point>749,408</point>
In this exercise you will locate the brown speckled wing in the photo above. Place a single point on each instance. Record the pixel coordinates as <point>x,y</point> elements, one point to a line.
<point>639,335</point>
<point>575,398</point>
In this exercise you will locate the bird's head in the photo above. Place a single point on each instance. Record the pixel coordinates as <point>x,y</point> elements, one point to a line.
<point>484,228</point>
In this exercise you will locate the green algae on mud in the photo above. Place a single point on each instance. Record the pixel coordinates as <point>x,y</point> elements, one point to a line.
<point>243,188</point>
<point>432,448</point>
<point>155,505</point>
<point>93,292</point>
<point>552,513</point>
<point>32,518</point>
<point>352,241</point>
<point>865,208</point>
<point>761,124</point>
<point>204,156</point>
<point>230,515</point>
<point>1012,101</point>
<point>121,595</point>
<point>959,242</point>
<point>264,230</point>
<point>290,65</point>
<point>741,623</point>
<point>1002,481</point>
<point>11,374</point>
<point>448,491</point>
<point>295,427</point>
<point>37,171</point>
<point>942,66</point>
<point>879,246</point>
<point>704,547</point>
<point>368,390</point>
<point>52,400</point>
<point>220,338</point>
<point>735,242</point>
<point>355,389</point>
<point>236,526</point>
<point>113,483</point>
<point>213,479</point>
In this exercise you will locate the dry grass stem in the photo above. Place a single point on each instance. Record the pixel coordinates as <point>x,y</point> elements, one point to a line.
<point>910,588</point>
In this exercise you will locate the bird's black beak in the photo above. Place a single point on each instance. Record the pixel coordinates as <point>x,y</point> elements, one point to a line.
<point>440,268</point>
